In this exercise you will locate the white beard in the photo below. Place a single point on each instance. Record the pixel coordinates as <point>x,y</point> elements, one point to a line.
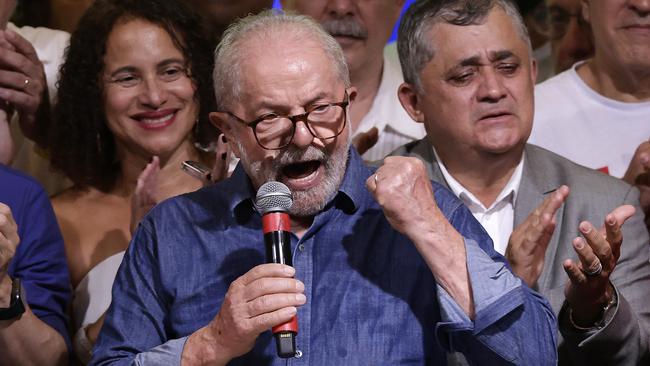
<point>306,203</point>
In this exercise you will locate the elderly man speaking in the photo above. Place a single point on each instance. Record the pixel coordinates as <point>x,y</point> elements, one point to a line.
<point>388,269</point>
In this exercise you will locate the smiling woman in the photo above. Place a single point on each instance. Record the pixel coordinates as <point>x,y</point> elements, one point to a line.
<point>134,89</point>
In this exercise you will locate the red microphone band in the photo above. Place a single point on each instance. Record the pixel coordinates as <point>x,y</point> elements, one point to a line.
<point>276,221</point>
<point>290,326</point>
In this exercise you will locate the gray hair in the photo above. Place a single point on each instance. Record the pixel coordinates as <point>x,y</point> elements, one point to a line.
<point>269,24</point>
<point>416,49</point>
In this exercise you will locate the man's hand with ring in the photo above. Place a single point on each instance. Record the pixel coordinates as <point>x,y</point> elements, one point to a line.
<point>589,289</point>
<point>22,79</point>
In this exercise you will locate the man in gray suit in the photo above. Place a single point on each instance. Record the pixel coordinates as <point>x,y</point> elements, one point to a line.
<point>469,78</point>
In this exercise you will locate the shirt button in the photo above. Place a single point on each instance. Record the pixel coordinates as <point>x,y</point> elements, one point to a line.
<point>301,247</point>
<point>298,353</point>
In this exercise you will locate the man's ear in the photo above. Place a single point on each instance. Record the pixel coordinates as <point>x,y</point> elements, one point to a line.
<point>222,121</point>
<point>534,70</point>
<point>352,94</point>
<point>410,101</point>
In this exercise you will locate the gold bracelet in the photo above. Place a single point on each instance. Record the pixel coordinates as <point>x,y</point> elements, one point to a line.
<point>600,323</point>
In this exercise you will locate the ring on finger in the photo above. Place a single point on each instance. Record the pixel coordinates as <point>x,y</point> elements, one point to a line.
<point>376,177</point>
<point>595,272</point>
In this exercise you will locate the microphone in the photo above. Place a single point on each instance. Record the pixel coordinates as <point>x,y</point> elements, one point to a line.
<point>273,201</point>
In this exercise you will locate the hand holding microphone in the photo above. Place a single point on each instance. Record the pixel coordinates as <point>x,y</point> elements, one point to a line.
<point>273,201</point>
<point>262,298</point>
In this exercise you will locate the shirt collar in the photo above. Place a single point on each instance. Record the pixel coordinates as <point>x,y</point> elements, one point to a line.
<point>351,195</point>
<point>508,193</point>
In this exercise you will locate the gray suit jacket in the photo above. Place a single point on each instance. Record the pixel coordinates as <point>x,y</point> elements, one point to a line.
<point>625,340</point>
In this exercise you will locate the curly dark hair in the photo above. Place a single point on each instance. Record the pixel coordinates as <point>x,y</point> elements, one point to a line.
<point>80,143</point>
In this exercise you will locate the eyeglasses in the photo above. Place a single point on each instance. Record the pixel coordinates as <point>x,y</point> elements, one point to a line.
<point>559,20</point>
<point>324,121</point>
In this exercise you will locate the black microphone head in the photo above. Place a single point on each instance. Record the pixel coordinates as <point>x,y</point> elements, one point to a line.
<point>273,197</point>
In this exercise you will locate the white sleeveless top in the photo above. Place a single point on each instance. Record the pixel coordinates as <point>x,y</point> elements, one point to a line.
<point>93,294</point>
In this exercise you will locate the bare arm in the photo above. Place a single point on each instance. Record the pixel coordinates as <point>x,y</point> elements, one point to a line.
<point>31,341</point>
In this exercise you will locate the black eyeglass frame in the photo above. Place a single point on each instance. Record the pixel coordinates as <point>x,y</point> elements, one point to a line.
<point>295,119</point>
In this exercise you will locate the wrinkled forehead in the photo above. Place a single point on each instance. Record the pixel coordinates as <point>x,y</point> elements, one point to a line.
<point>278,68</point>
<point>490,39</point>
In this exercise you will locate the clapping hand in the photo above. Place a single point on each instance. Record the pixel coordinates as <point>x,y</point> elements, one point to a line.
<point>638,174</point>
<point>528,241</point>
<point>144,197</point>
<point>588,289</point>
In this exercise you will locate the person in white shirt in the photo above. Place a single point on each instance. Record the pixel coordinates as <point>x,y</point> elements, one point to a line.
<point>598,112</point>
<point>362,28</point>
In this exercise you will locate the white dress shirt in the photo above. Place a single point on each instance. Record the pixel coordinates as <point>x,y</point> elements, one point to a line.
<point>498,219</point>
<point>395,126</point>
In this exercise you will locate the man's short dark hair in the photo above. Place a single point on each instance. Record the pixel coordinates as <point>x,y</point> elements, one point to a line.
<point>416,48</point>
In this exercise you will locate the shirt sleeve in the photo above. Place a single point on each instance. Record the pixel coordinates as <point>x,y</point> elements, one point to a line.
<point>166,354</point>
<point>507,312</point>
<point>136,324</point>
<point>40,260</point>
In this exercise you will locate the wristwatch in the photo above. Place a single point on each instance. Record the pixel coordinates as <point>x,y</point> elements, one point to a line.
<point>16,306</point>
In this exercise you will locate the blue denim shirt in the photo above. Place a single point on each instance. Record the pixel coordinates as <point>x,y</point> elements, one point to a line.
<point>371,299</point>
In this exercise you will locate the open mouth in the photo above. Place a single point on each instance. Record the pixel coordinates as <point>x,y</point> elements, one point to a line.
<point>301,170</point>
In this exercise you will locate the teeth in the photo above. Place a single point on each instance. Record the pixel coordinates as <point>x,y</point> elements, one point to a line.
<point>157,121</point>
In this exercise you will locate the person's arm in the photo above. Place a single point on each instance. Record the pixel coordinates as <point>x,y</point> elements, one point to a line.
<point>27,338</point>
<point>134,327</point>
<point>620,334</point>
<point>487,313</point>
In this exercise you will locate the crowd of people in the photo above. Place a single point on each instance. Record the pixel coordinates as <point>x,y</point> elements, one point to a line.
<point>477,192</point>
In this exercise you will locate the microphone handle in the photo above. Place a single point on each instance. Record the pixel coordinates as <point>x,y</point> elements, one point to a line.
<point>277,241</point>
